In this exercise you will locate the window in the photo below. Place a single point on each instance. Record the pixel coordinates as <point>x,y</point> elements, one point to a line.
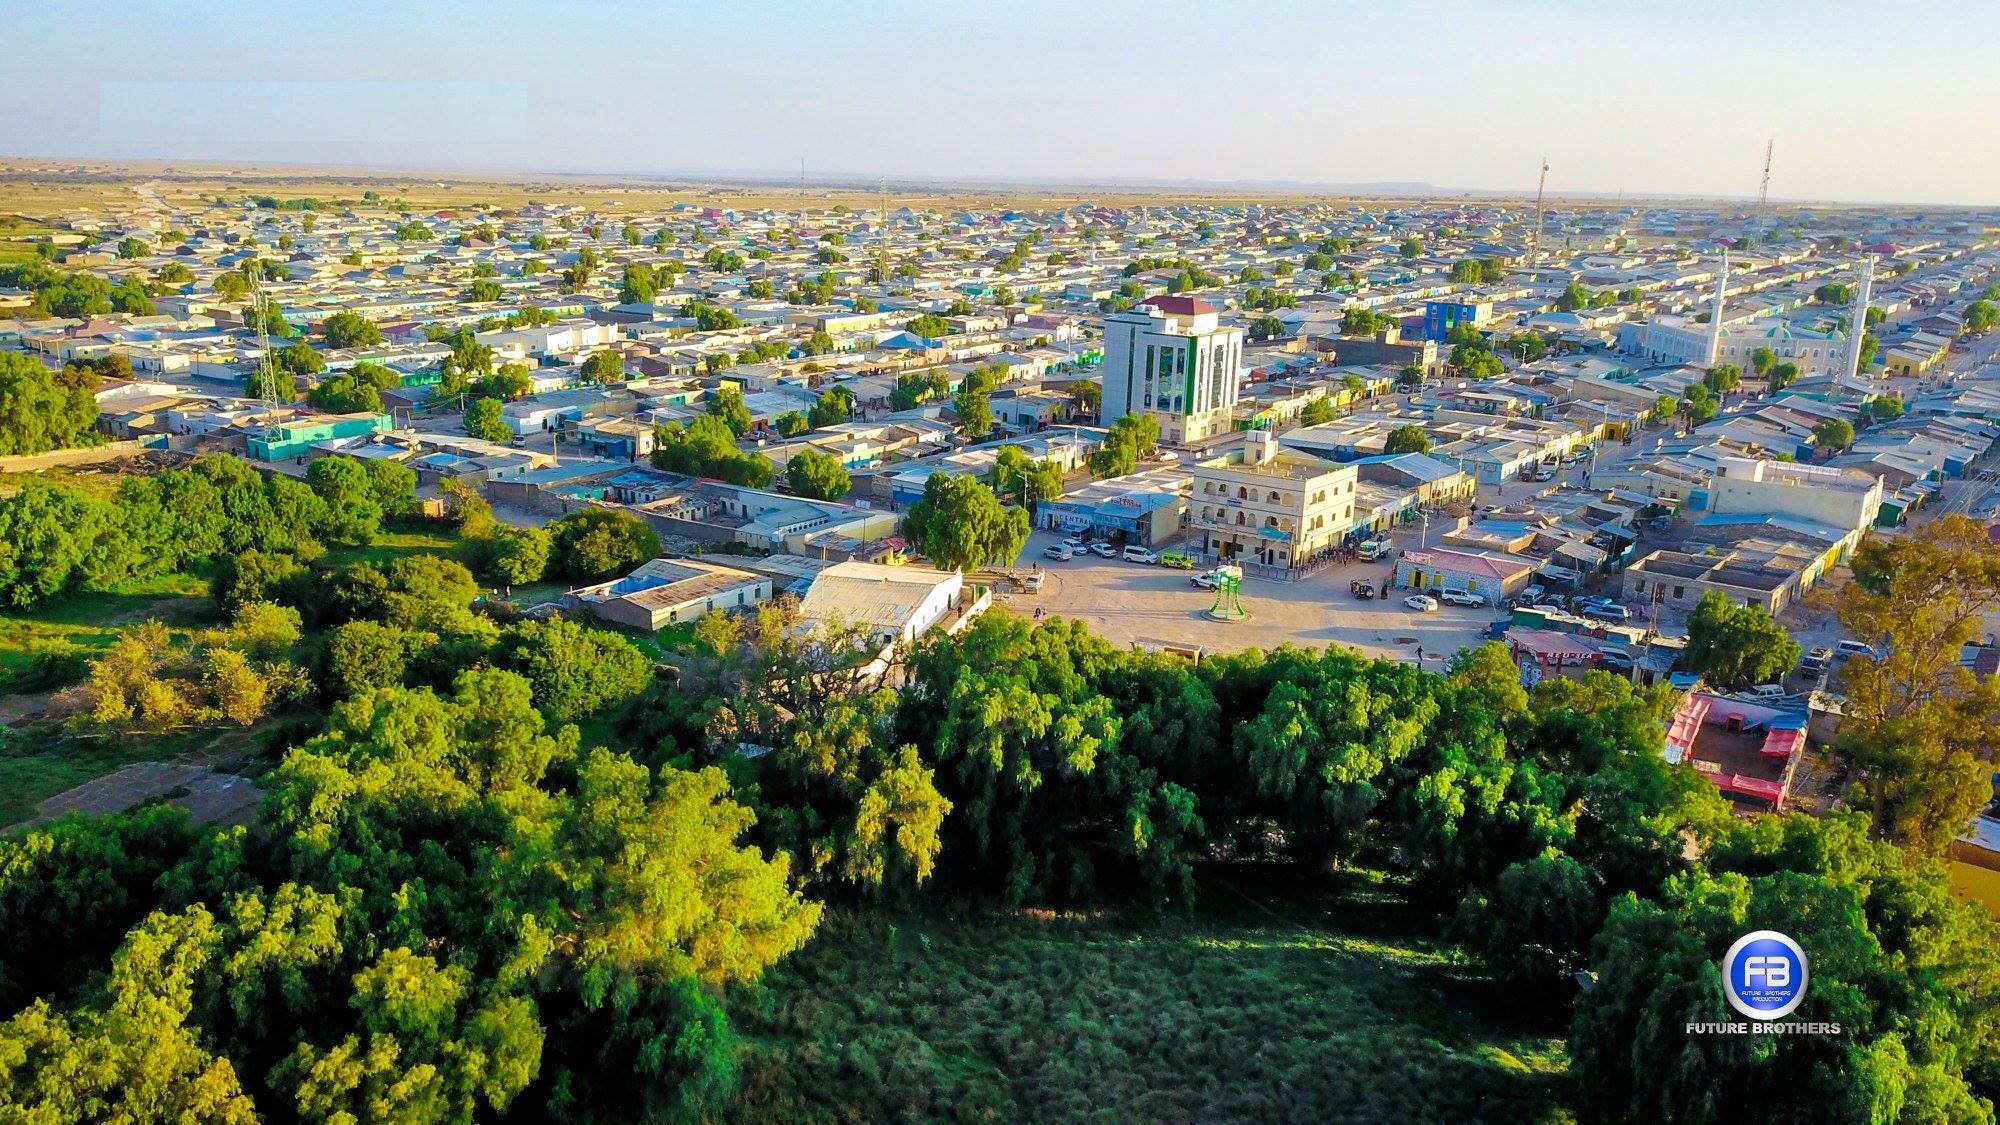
<point>1680,592</point>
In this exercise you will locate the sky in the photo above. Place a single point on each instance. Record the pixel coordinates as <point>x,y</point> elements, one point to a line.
<point>1865,101</point>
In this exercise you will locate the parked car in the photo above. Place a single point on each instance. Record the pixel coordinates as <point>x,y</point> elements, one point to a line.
<point>1816,661</point>
<point>1060,552</point>
<point>1544,474</point>
<point>1462,597</point>
<point>1615,660</point>
<point>1606,611</point>
<point>1030,583</point>
<point>1104,550</point>
<point>1074,543</point>
<point>1768,691</point>
<point>1531,595</point>
<point>1141,555</point>
<point>1545,607</point>
<point>1176,560</point>
<point>1845,649</point>
<point>1422,603</point>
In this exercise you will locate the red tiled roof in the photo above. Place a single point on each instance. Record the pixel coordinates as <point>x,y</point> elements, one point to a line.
<point>1180,306</point>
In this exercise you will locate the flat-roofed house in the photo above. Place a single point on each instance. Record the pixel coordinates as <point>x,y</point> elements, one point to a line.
<point>666,592</point>
<point>895,604</point>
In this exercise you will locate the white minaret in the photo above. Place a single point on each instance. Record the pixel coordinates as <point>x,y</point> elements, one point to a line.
<point>1715,316</point>
<point>1857,319</point>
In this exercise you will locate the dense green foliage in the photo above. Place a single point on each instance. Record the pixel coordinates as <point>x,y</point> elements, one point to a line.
<point>43,409</point>
<point>818,475</point>
<point>706,447</point>
<point>591,544</point>
<point>960,525</point>
<point>54,540</point>
<point>449,906</point>
<point>1735,646</point>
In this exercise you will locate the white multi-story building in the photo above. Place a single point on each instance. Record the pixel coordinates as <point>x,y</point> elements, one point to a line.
<point>1170,358</point>
<point>1270,505</point>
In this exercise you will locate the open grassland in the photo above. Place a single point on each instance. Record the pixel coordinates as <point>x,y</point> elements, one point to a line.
<point>1259,1008</point>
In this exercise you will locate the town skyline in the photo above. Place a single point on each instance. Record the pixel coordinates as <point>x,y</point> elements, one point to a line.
<point>1300,96</point>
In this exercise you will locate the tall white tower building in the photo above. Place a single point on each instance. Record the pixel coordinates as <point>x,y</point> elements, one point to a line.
<point>1171,358</point>
<point>1715,313</point>
<point>1857,318</point>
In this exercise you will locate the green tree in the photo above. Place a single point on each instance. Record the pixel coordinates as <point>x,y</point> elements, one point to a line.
<point>601,367</point>
<point>513,556</point>
<point>638,284</point>
<point>1411,249</point>
<point>574,671</point>
<point>1027,481</point>
<point>1736,646</point>
<point>1892,963</point>
<point>354,512</point>
<point>343,395</point>
<point>974,408</point>
<point>817,475</point>
<point>484,420</point>
<point>350,330</point>
<point>1130,440</point>
<point>1882,408</point>
<point>930,326</point>
<point>1407,438</point>
<point>1834,434</point>
<point>1723,378</point>
<point>43,409</point>
<point>707,447</point>
<point>300,359</point>
<point>726,403</point>
<point>960,525</point>
<point>1916,719</point>
<point>914,388</point>
<point>1762,359</point>
<point>834,406</point>
<point>592,544</point>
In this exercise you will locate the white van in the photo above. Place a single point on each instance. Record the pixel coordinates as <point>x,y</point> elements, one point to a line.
<point>1140,555</point>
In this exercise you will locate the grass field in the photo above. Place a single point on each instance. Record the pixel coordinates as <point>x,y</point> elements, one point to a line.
<point>1260,1008</point>
<point>91,621</point>
<point>393,545</point>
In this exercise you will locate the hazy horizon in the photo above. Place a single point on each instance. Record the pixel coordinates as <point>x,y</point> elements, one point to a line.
<point>1448,98</point>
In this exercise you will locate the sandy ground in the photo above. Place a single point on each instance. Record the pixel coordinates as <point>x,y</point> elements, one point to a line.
<point>1132,603</point>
